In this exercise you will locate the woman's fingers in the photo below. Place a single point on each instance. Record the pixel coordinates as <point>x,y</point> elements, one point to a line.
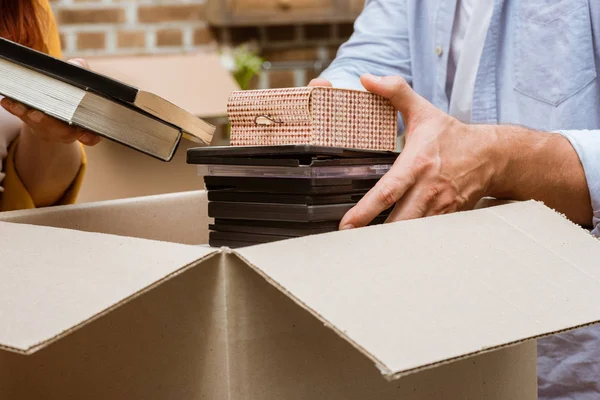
<point>49,128</point>
<point>89,139</point>
<point>79,61</point>
<point>13,107</point>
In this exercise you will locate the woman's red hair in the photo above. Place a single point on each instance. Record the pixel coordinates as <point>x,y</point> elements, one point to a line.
<point>20,22</point>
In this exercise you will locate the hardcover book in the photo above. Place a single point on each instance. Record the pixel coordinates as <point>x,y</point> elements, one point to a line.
<point>109,108</point>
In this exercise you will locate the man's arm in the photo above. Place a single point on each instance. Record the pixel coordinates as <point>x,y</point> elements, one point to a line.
<point>587,145</point>
<point>379,46</point>
<point>546,167</point>
<point>448,166</point>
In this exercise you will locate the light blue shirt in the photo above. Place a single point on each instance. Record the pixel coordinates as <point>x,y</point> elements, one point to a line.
<point>539,68</point>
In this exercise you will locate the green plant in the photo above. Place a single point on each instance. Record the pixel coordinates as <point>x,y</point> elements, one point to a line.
<point>243,62</point>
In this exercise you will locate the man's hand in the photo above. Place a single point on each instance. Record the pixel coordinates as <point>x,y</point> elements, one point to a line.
<point>449,166</point>
<point>320,82</point>
<point>445,166</point>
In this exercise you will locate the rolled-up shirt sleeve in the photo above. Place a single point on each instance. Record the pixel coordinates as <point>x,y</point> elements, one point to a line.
<point>587,146</point>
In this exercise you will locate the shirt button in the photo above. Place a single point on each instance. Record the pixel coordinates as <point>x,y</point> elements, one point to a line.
<point>439,51</point>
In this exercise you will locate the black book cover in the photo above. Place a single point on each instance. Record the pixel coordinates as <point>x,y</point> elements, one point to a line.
<point>67,72</point>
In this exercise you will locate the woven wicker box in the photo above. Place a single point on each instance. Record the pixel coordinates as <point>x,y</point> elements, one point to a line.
<point>312,115</point>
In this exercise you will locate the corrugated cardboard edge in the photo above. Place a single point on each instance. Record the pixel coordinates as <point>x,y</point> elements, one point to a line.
<point>388,374</point>
<point>167,219</point>
<point>568,220</point>
<point>313,312</point>
<point>18,215</point>
<point>226,252</point>
<point>104,312</point>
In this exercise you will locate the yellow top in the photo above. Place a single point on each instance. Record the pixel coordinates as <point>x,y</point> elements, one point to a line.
<point>16,196</point>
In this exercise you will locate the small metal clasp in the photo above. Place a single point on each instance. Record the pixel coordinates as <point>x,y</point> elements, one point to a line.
<point>266,119</point>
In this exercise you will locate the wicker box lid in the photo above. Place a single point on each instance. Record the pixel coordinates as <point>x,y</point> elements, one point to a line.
<point>312,115</point>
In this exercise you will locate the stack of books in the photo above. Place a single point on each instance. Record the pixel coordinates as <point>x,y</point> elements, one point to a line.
<point>261,194</point>
<point>112,109</point>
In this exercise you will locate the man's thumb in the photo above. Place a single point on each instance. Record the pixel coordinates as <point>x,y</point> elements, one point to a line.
<point>397,90</point>
<point>320,82</point>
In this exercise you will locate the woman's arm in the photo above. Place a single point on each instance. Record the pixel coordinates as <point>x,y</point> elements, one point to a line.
<point>47,157</point>
<point>45,164</point>
<point>45,167</point>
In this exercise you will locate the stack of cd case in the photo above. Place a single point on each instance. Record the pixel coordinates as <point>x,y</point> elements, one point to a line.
<point>261,194</point>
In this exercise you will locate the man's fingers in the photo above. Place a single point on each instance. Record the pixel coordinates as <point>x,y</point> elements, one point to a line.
<point>398,91</point>
<point>423,200</point>
<point>384,195</point>
<point>410,206</point>
<point>320,82</point>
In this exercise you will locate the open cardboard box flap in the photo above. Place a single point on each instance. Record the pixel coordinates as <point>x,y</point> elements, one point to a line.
<point>408,295</point>
<point>55,280</point>
<point>415,294</point>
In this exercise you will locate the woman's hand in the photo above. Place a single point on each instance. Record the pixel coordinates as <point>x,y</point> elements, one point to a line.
<point>47,156</point>
<point>47,128</point>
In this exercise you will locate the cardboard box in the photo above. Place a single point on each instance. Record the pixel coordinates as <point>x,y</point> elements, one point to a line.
<point>195,82</point>
<point>439,308</point>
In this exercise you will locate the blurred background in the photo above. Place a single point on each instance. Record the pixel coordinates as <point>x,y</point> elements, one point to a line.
<point>194,53</point>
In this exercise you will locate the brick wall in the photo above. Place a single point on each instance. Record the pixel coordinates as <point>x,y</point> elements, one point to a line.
<point>295,54</point>
<point>91,27</point>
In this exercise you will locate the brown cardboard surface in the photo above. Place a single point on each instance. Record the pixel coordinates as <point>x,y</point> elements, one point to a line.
<point>416,294</point>
<point>118,172</point>
<point>581,254</point>
<point>53,280</point>
<point>220,331</point>
<point>196,82</point>
<point>167,343</point>
<point>178,218</point>
<point>430,298</point>
<point>278,350</point>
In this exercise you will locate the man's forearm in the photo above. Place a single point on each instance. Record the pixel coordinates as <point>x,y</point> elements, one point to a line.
<point>541,166</point>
